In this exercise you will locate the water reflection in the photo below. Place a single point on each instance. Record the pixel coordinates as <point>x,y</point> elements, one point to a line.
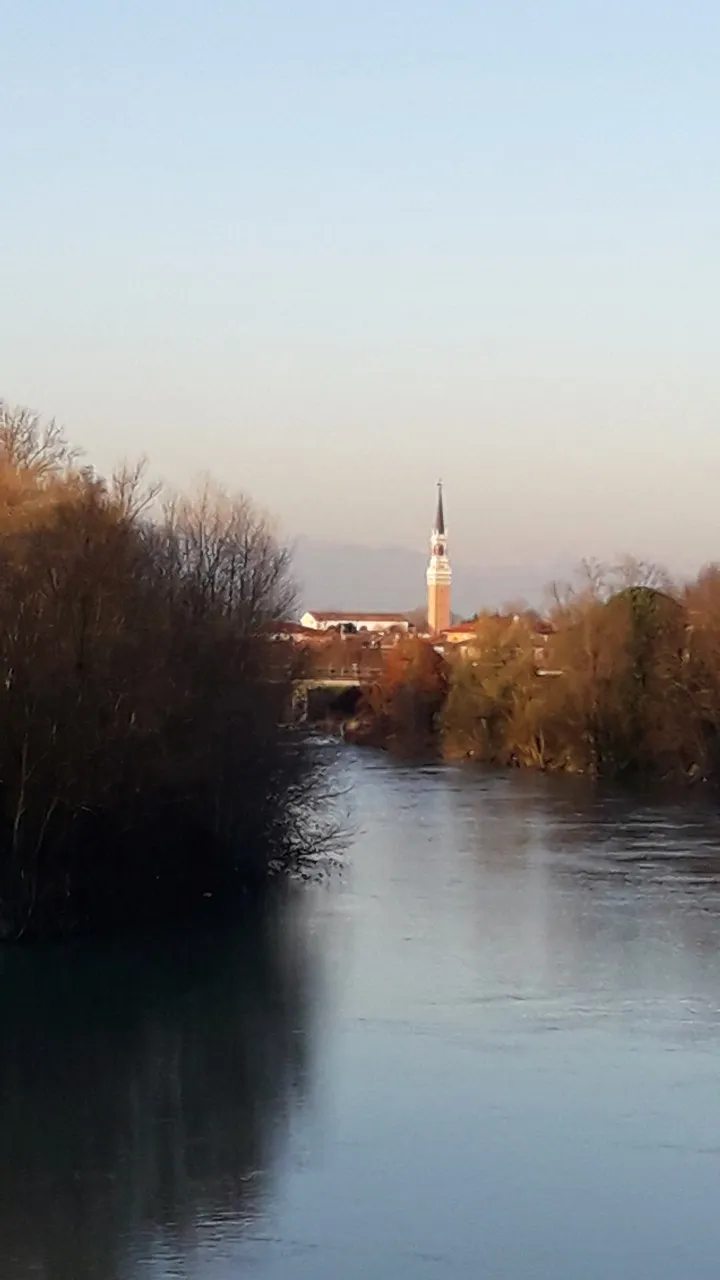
<point>514,1020</point>
<point>595,903</point>
<point>145,1090</point>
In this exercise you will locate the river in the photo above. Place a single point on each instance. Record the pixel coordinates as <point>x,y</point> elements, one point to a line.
<point>491,1048</point>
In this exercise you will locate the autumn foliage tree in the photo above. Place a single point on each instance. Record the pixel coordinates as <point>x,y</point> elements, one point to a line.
<point>405,702</point>
<point>628,686</point>
<point>489,706</point>
<point>701,600</point>
<point>619,705</point>
<point>142,769</point>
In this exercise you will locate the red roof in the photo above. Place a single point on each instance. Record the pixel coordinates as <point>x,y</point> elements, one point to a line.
<point>462,628</point>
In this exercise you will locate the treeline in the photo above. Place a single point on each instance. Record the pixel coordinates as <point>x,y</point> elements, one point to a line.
<point>143,772</point>
<point>622,682</point>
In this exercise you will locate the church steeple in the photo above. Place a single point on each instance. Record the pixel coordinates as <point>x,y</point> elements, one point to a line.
<point>440,514</point>
<point>439,574</point>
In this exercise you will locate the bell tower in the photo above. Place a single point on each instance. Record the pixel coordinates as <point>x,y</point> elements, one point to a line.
<point>439,574</point>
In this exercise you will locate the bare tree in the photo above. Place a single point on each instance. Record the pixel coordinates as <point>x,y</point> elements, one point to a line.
<point>232,555</point>
<point>29,443</point>
<point>143,763</point>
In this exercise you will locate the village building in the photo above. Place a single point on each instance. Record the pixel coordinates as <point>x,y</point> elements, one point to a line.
<point>319,626</point>
<point>439,583</point>
<point>349,623</point>
<point>291,631</point>
<point>460,633</point>
<point>438,608</point>
<point>471,640</point>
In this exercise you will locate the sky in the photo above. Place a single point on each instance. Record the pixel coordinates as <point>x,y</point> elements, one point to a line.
<point>329,251</point>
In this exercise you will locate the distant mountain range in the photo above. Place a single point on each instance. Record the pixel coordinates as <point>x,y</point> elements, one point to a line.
<point>334,575</point>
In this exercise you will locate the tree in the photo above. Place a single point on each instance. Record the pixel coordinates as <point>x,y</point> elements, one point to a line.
<point>489,707</point>
<point>408,697</point>
<point>621,704</point>
<point>143,767</point>
<point>701,600</point>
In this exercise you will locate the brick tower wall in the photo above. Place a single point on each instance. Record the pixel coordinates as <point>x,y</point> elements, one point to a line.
<point>438,607</point>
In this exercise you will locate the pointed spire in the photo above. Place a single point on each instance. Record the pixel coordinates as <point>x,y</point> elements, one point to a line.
<point>440,515</point>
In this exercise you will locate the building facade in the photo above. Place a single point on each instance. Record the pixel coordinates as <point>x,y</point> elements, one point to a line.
<point>439,574</point>
<point>377,623</point>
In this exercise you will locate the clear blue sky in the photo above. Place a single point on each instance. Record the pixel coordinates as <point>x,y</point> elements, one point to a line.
<point>328,248</point>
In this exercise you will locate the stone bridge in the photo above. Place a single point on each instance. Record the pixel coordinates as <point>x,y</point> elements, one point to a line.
<point>331,694</point>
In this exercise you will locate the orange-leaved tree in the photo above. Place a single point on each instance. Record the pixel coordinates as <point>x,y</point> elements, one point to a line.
<point>410,693</point>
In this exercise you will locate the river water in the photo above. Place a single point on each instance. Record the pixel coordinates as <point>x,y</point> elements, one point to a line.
<point>490,1049</point>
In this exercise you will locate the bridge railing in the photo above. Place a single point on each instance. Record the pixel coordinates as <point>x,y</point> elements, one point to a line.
<point>353,671</point>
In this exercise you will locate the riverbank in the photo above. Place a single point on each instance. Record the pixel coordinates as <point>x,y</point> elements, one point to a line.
<point>629,688</point>
<point>438,747</point>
